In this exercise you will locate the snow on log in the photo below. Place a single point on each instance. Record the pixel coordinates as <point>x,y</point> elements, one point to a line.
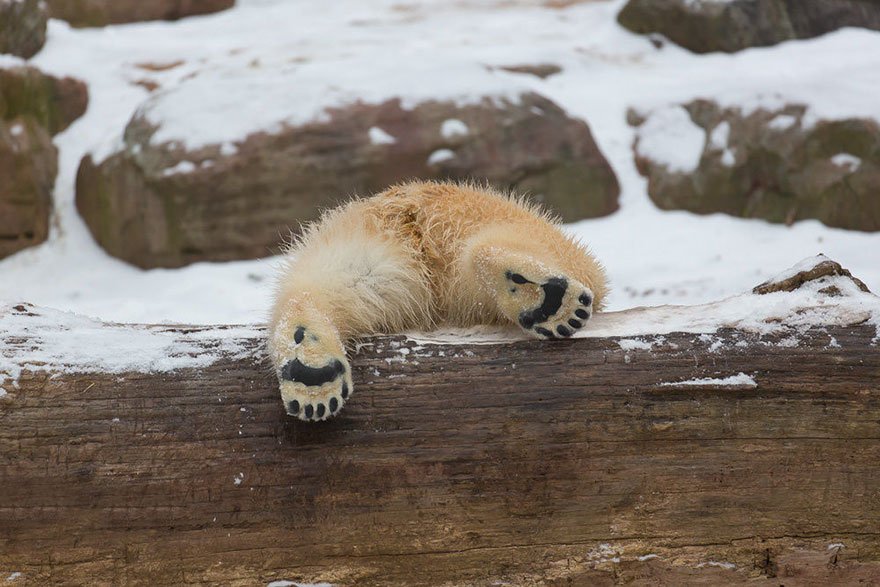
<point>720,444</point>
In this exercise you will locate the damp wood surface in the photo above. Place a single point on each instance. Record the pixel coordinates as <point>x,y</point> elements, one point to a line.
<point>571,462</point>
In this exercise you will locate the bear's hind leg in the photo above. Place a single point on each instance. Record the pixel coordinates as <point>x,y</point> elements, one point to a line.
<point>531,287</point>
<point>343,281</point>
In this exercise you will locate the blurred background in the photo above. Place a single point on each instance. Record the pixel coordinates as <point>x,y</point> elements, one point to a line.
<point>156,154</point>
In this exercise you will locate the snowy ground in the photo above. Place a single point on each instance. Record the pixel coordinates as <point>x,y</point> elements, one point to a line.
<point>343,50</point>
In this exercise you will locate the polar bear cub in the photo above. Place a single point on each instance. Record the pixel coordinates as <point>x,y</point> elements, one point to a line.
<point>416,256</point>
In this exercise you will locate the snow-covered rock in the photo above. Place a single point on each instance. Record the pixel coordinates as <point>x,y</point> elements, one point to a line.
<point>781,164</point>
<point>33,107</point>
<point>103,12</point>
<point>177,193</point>
<point>704,26</point>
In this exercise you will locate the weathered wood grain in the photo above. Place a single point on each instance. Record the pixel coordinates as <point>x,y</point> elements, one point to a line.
<point>554,463</point>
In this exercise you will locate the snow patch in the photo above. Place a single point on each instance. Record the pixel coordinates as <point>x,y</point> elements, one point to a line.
<point>452,128</point>
<point>723,565</point>
<point>380,137</point>
<point>738,380</point>
<point>669,137</point>
<point>182,167</point>
<point>48,340</point>
<point>850,162</point>
<point>440,155</point>
<point>782,122</point>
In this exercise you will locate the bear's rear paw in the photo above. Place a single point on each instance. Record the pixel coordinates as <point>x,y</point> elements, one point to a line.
<point>315,377</point>
<point>563,304</point>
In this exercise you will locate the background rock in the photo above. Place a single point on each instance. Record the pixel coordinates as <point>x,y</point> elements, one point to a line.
<point>22,27</point>
<point>161,205</point>
<point>704,25</point>
<point>53,102</point>
<point>33,107</point>
<point>781,165</point>
<point>84,13</point>
<point>28,165</point>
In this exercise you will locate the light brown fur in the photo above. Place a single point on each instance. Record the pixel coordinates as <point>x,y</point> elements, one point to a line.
<point>416,256</point>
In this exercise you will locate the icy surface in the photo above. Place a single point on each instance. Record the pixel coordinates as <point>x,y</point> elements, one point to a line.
<point>349,49</point>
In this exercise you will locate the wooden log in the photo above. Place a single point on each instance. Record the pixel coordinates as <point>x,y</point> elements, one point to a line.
<point>462,464</point>
<point>575,462</point>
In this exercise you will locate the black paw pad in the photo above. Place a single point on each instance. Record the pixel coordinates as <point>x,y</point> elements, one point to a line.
<point>575,324</point>
<point>299,335</point>
<point>544,332</point>
<point>563,330</point>
<point>585,299</point>
<point>334,405</point>
<point>293,408</point>
<point>526,320</point>
<point>309,411</point>
<point>554,292</point>
<point>344,390</point>
<point>295,370</point>
<point>320,411</point>
<point>582,314</point>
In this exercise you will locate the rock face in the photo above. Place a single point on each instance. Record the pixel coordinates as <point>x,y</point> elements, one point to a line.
<point>161,205</point>
<point>28,164</point>
<point>53,102</point>
<point>780,164</point>
<point>22,27</point>
<point>83,13</point>
<point>33,107</point>
<point>708,25</point>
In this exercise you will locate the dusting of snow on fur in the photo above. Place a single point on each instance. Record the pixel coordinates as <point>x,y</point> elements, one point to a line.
<point>380,137</point>
<point>669,137</point>
<point>738,380</point>
<point>42,339</point>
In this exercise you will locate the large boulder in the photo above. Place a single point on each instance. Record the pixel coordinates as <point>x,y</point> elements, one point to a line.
<point>33,107</point>
<point>52,102</point>
<point>28,165</point>
<point>84,13</point>
<point>781,164</point>
<point>731,25</point>
<point>161,203</point>
<point>22,27</point>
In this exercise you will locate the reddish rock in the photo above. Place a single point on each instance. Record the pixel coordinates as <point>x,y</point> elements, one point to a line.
<point>780,165</point>
<point>161,205</point>
<point>53,102</point>
<point>28,165</point>
<point>83,13</point>
<point>22,27</point>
